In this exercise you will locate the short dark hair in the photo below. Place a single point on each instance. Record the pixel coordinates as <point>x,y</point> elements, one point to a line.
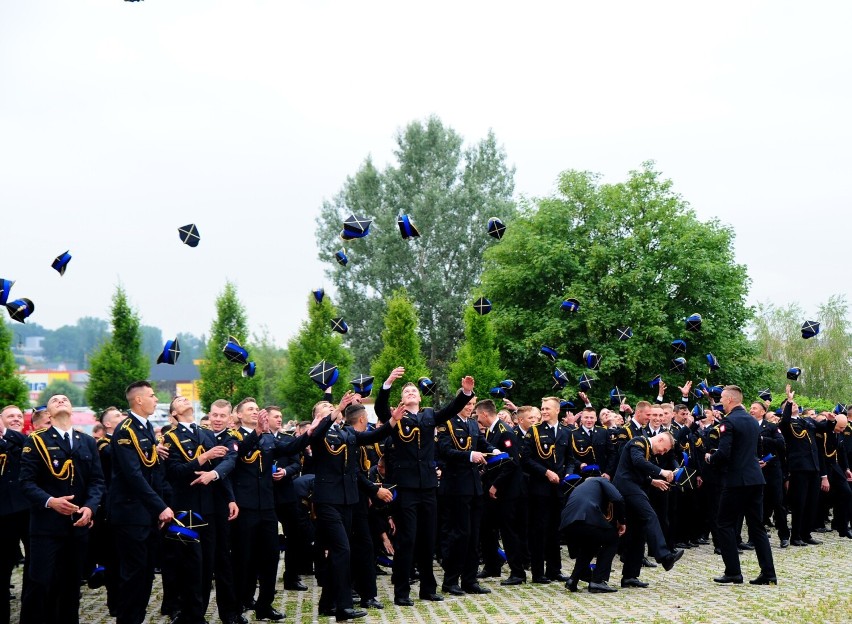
<point>142,383</point>
<point>111,408</point>
<point>239,407</point>
<point>269,408</point>
<point>353,413</point>
<point>487,406</point>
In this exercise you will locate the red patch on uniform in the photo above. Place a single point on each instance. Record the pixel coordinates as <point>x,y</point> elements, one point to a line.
<point>236,446</point>
<point>508,443</point>
<point>722,429</point>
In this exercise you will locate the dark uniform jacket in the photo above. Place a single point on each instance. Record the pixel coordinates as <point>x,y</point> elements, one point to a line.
<point>708,442</point>
<point>252,476</point>
<point>540,452</point>
<point>50,469</point>
<point>135,495</point>
<point>337,463</point>
<point>184,448</point>
<point>635,468</point>
<point>457,439</point>
<point>593,449</point>
<point>507,476</point>
<point>292,465</point>
<point>800,437</point>
<point>412,460</point>
<point>595,502</point>
<point>11,498</point>
<point>736,458</point>
<point>771,442</point>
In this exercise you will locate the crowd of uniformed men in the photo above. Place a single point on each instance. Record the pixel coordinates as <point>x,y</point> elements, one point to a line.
<point>468,485</point>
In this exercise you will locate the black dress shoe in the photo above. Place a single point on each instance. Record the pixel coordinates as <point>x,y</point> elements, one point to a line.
<point>432,597</point>
<point>380,571</point>
<point>297,586</point>
<point>764,580</point>
<point>571,584</point>
<point>452,590</point>
<point>797,542</point>
<point>487,574</point>
<point>846,533</point>
<point>558,577</point>
<point>684,545</point>
<point>745,546</point>
<point>251,604</point>
<point>647,563</point>
<point>785,543</point>
<point>403,601</point>
<point>822,529</point>
<point>372,603</point>
<point>717,551</point>
<point>237,619</point>
<point>729,578</point>
<point>813,542</point>
<point>513,580</point>
<point>541,580</point>
<point>475,589</point>
<point>633,582</point>
<point>703,541</point>
<point>601,588</point>
<point>268,614</point>
<point>343,615</point>
<point>668,562</point>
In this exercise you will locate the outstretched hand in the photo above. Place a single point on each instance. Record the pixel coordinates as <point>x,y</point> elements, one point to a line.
<point>790,394</point>
<point>397,414</point>
<point>395,374</point>
<point>467,384</point>
<point>685,388</point>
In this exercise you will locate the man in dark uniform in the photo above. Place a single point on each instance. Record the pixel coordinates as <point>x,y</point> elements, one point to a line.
<point>804,467</point>
<point>503,483</point>
<point>191,470</point>
<point>593,519</point>
<point>14,508</point>
<point>770,455</point>
<point>546,457</point>
<point>255,536</point>
<point>742,489</point>
<point>135,505</point>
<point>590,445</point>
<point>634,475</point>
<point>835,462</point>
<point>286,504</point>
<point>708,442</point>
<point>226,511</point>
<point>62,480</point>
<point>462,450</point>
<point>412,469</point>
<point>336,494</point>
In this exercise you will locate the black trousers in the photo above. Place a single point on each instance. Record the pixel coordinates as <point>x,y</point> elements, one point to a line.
<point>16,530</point>
<point>53,592</point>
<point>660,502</point>
<point>461,539</point>
<point>841,497</point>
<point>501,518</point>
<point>803,497</point>
<point>334,524</point>
<point>137,552</point>
<point>169,564</point>
<point>642,526</point>
<point>773,500</point>
<point>294,541</point>
<point>544,512</point>
<point>102,552</point>
<point>589,542</point>
<point>736,503</point>
<point>254,540</point>
<point>227,604</point>
<point>416,521</point>
<point>363,561</point>
<point>194,563</point>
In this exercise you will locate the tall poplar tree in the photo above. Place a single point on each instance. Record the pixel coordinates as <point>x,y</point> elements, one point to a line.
<point>13,388</point>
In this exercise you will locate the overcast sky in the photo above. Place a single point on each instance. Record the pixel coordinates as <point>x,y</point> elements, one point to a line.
<point>120,122</point>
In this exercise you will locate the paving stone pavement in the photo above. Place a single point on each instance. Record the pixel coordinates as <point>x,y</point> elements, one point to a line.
<point>815,585</point>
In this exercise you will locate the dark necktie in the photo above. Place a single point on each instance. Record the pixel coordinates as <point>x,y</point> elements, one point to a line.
<point>67,439</point>
<point>150,430</point>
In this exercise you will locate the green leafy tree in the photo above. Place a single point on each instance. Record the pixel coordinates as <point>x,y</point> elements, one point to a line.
<point>74,392</point>
<point>824,359</point>
<point>478,355</point>
<point>120,360</point>
<point>314,342</point>
<point>401,346</point>
<point>449,192</point>
<point>13,388</point>
<point>271,361</point>
<point>633,254</point>
<point>221,379</point>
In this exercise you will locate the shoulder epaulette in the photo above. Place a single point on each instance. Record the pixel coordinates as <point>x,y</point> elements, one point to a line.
<point>502,427</point>
<point>39,431</point>
<point>237,434</point>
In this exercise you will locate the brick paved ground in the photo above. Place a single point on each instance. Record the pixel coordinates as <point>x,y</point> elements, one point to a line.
<point>815,586</point>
